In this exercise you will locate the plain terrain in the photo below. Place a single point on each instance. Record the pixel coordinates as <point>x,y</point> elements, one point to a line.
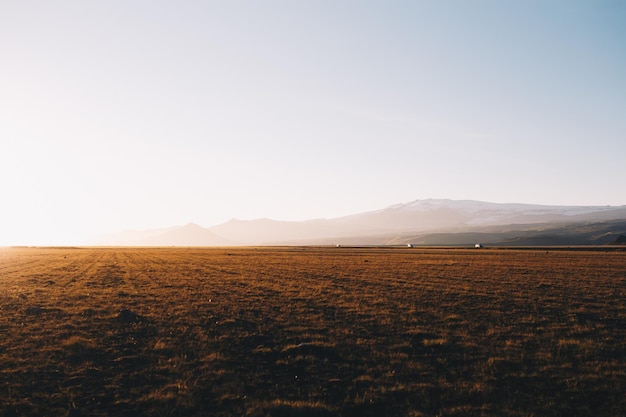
<point>312,332</point>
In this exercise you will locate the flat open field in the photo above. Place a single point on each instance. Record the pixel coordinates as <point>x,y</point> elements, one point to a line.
<point>312,332</point>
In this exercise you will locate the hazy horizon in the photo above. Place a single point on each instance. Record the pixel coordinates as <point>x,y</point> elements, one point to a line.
<point>126,115</point>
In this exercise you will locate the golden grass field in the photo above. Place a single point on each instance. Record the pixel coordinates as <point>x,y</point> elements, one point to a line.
<point>312,332</point>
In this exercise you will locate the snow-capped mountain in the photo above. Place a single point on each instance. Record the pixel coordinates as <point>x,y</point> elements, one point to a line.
<point>470,212</point>
<point>396,223</point>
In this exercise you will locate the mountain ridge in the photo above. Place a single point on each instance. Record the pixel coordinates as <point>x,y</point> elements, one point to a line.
<point>393,224</point>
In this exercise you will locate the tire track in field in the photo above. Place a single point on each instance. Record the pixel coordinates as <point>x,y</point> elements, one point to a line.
<point>84,268</point>
<point>41,276</point>
<point>22,263</point>
<point>134,286</point>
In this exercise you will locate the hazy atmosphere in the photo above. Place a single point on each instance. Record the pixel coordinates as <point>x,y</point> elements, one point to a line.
<point>141,114</point>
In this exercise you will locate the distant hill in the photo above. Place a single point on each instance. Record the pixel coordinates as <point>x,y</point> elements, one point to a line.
<point>619,240</point>
<point>550,234</point>
<point>188,235</point>
<point>421,222</point>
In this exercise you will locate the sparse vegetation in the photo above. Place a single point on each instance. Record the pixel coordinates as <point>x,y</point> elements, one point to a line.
<point>312,332</point>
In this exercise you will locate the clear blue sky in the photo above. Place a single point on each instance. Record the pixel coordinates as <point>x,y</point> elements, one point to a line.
<point>138,114</point>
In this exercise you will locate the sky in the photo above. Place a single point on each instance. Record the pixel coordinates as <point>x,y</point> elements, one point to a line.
<point>139,114</point>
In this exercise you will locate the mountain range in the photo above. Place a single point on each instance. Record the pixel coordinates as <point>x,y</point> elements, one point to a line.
<point>420,222</point>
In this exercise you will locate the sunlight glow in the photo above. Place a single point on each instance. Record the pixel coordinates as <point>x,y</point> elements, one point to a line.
<point>207,111</point>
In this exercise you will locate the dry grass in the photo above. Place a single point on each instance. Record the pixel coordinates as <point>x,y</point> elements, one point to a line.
<point>311,332</point>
